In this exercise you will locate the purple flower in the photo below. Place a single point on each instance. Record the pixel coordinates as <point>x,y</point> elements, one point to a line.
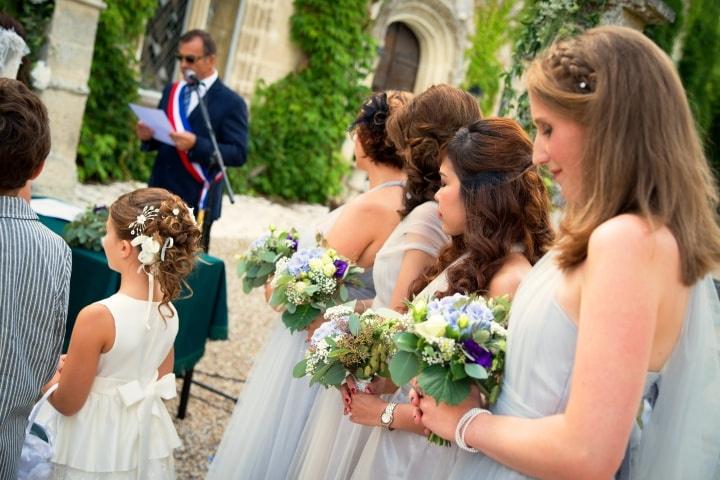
<point>477,353</point>
<point>293,242</point>
<point>341,267</point>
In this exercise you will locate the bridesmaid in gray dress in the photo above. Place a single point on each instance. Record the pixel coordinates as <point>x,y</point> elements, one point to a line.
<point>331,444</point>
<point>493,203</point>
<point>273,408</point>
<point>612,366</point>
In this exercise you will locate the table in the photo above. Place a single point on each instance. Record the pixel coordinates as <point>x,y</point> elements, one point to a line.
<point>202,316</point>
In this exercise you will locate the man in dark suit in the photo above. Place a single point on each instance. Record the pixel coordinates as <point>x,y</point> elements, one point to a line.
<point>189,168</point>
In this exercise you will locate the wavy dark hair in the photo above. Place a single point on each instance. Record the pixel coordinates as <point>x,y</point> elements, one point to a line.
<point>421,132</point>
<point>371,127</point>
<point>506,205</point>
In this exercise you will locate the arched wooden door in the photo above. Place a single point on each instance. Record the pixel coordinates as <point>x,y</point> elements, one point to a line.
<point>399,60</point>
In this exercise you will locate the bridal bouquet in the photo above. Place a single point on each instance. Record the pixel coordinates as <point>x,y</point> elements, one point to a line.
<point>309,282</point>
<point>258,263</point>
<point>452,343</point>
<point>348,343</point>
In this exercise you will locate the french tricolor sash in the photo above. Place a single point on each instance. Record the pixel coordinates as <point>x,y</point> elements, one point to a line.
<point>178,119</point>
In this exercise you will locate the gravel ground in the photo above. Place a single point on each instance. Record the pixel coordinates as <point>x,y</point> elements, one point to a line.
<point>226,363</point>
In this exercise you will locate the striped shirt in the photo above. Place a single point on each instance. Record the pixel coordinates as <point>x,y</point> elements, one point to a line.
<point>34,289</point>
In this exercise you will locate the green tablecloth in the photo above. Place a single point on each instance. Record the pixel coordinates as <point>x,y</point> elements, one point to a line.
<point>202,316</point>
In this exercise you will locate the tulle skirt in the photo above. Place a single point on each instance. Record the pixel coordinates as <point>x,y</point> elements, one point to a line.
<point>331,444</point>
<point>395,455</point>
<point>265,428</point>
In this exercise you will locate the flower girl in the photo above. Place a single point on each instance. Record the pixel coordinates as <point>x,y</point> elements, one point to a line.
<point>108,419</point>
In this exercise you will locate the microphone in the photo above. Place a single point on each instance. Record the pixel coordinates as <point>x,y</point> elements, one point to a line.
<point>191,78</point>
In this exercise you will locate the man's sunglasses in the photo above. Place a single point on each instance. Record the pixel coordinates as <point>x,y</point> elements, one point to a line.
<point>188,58</point>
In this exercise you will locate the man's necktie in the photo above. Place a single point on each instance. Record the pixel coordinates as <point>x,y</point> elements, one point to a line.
<point>186,100</point>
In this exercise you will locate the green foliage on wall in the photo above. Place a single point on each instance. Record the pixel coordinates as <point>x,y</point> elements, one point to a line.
<point>492,31</point>
<point>666,34</point>
<point>109,149</point>
<point>34,18</point>
<point>543,21</point>
<point>298,124</point>
<point>698,30</point>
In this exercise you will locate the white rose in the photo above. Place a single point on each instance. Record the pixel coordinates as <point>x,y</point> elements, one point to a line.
<point>432,328</point>
<point>329,270</point>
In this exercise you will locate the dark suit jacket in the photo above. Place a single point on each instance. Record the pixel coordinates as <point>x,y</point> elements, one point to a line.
<point>228,116</point>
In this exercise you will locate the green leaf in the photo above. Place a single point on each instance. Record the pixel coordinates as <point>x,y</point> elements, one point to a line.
<point>476,371</point>
<point>343,292</point>
<point>247,285</point>
<point>300,318</point>
<point>265,270</point>
<point>241,268</point>
<point>458,371</point>
<point>269,257</point>
<point>253,269</point>
<point>406,342</point>
<point>403,367</point>
<point>354,324</point>
<point>335,375</point>
<point>300,369</point>
<point>436,381</point>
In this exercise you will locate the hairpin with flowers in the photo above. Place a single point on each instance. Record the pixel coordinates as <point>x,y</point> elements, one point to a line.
<point>150,250</point>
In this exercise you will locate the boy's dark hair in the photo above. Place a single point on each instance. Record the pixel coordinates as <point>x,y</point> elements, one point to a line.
<point>209,47</point>
<point>25,134</point>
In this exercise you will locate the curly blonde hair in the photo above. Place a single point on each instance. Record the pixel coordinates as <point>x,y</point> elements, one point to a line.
<point>173,220</point>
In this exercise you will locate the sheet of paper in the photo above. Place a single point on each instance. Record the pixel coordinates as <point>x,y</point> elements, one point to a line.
<point>155,119</point>
<point>51,207</point>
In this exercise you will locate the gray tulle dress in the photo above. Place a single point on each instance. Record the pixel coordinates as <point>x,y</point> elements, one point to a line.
<point>273,407</point>
<point>680,436</point>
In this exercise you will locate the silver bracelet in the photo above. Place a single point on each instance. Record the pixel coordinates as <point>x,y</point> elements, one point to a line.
<point>462,427</point>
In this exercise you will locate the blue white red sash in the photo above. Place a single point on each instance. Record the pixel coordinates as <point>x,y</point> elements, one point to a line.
<point>179,120</point>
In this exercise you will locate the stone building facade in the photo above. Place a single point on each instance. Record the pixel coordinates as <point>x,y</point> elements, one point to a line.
<point>421,43</point>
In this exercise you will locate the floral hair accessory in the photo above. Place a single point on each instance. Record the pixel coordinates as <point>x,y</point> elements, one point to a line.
<point>149,249</point>
<point>138,226</point>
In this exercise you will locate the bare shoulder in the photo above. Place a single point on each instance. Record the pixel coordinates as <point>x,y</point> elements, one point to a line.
<point>374,203</point>
<point>507,280</point>
<point>630,235</point>
<point>95,320</point>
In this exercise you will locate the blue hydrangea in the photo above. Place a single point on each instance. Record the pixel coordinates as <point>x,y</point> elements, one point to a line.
<point>326,329</point>
<point>452,307</point>
<point>300,261</point>
<point>260,241</point>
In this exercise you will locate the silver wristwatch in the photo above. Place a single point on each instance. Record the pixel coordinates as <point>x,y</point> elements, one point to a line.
<point>387,417</point>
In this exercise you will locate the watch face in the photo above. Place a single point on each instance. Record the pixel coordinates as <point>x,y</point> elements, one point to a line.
<point>385,418</point>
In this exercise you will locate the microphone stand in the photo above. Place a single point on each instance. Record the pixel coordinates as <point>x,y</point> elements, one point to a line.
<point>205,218</point>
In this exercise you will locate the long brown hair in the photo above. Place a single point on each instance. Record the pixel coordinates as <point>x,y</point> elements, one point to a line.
<point>506,206</point>
<point>173,220</point>
<point>421,130</point>
<point>642,153</point>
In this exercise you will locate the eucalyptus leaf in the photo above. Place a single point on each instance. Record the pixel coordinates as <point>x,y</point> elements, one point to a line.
<point>265,270</point>
<point>334,375</point>
<point>406,341</point>
<point>270,257</point>
<point>403,367</point>
<point>354,324</point>
<point>300,369</point>
<point>476,371</point>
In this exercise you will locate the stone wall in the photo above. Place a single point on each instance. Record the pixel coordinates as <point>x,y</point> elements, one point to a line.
<point>71,41</point>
